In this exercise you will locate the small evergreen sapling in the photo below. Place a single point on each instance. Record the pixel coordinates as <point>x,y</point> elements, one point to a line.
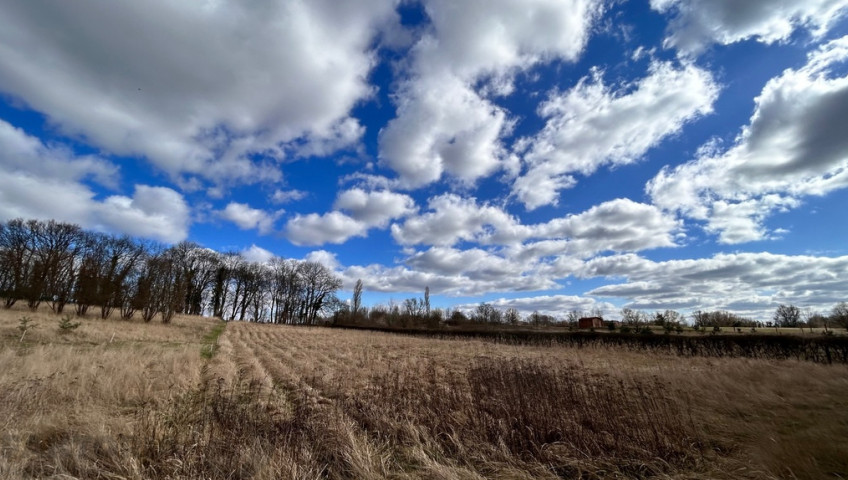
<point>25,325</point>
<point>66,325</point>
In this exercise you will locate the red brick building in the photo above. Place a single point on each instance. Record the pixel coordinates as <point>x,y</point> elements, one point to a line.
<point>590,322</point>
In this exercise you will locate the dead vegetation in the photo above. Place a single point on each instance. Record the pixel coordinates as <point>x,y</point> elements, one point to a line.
<point>68,400</point>
<point>115,399</point>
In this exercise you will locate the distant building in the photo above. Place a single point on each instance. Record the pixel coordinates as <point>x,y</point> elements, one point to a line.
<point>590,322</point>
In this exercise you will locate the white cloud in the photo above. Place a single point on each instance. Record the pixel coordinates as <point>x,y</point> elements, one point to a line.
<point>156,212</point>
<point>376,208</point>
<point>47,182</point>
<point>444,124</point>
<point>747,283</point>
<point>557,306</point>
<point>257,254</point>
<point>399,279</point>
<point>794,146</point>
<point>25,154</point>
<point>616,225</point>
<point>474,263</point>
<point>328,259</point>
<point>344,134</point>
<point>366,210</point>
<point>698,23</point>
<point>285,196</point>
<point>331,227</point>
<point>591,125</point>
<point>619,225</point>
<point>493,36</point>
<point>248,218</point>
<point>152,212</point>
<point>452,218</point>
<point>245,80</point>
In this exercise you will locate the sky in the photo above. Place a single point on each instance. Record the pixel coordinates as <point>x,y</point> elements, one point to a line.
<point>546,155</point>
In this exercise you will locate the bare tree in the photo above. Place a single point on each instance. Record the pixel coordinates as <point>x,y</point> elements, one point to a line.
<point>198,267</point>
<point>287,287</point>
<point>572,317</point>
<point>222,278</point>
<point>485,313</point>
<point>413,309</point>
<point>61,263</point>
<point>16,253</point>
<point>320,284</point>
<point>633,318</point>
<point>787,316</point>
<point>357,298</point>
<point>152,280</point>
<point>512,317</point>
<point>839,314</point>
<point>427,301</point>
<point>60,248</point>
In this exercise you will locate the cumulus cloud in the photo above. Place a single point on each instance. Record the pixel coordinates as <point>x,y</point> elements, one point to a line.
<point>442,126</point>
<point>285,196</point>
<point>555,305</point>
<point>248,218</point>
<point>365,210</point>
<point>445,123</point>
<point>247,81</point>
<point>257,254</point>
<point>152,212</point>
<point>698,23</point>
<point>793,146</point>
<point>592,125</point>
<point>381,278</point>
<point>328,259</point>
<point>474,263</point>
<point>616,225</point>
<point>25,154</point>
<point>376,208</point>
<point>452,218</point>
<point>331,227</point>
<point>748,283</point>
<point>512,255</point>
<point>48,182</point>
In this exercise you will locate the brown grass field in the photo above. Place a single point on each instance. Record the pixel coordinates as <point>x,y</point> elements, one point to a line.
<point>116,399</point>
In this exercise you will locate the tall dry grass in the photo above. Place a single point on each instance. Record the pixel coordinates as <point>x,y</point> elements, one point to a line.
<point>305,403</point>
<point>68,401</point>
<point>401,407</point>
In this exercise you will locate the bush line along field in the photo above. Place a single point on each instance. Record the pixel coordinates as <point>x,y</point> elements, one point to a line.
<point>198,398</point>
<point>814,348</point>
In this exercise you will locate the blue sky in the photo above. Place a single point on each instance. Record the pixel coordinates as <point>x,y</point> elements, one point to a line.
<point>540,154</point>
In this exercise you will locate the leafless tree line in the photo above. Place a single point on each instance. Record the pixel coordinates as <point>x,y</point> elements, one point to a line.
<point>62,264</point>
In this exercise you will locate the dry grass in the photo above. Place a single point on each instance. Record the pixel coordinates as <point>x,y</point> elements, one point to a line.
<point>68,401</point>
<point>295,402</point>
<point>403,407</point>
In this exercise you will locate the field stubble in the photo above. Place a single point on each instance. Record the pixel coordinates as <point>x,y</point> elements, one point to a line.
<point>287,402</point>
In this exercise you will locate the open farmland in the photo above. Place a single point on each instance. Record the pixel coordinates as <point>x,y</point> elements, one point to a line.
<point>117,399</point>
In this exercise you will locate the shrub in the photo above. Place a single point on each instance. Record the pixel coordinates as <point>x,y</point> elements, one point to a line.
<point>66,325</point>
<point>24,325</point>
